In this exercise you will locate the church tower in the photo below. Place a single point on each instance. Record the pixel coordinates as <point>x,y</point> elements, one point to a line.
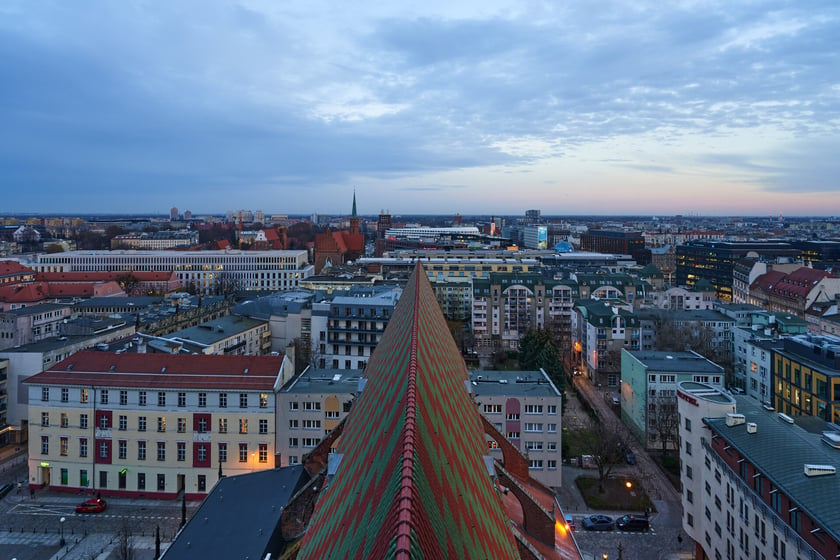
<point>354,218</point>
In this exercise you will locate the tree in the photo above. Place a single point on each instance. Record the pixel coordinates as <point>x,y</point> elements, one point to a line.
<point>125,550</point>
<point>128,282</point>
<point>538,351</point>
<point>606,445</point>
<point>663,421</point>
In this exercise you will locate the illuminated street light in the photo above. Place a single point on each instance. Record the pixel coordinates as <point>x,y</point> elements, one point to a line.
<point>61,521</point>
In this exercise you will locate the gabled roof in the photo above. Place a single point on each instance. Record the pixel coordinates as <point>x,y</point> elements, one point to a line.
<point>412,481</point>
<point>14,268</point>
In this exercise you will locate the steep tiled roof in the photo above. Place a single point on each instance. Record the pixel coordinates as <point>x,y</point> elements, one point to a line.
<point>412,482</point>
<point>14,268</point>
<point>106,369</point>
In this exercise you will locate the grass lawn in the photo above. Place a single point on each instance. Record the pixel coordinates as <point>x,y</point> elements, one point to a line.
<point>616,495</point>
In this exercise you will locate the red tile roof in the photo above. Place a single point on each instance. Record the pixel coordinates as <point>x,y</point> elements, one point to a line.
<point>164,371</point>
<point>13,268</point>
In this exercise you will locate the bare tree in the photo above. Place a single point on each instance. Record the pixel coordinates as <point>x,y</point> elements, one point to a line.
<point>606,445</point>
<point>663,421</point>
<point>125,550</point>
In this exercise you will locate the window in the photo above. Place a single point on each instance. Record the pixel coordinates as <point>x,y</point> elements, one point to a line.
<point>142,398</point>
<point>311,424</point>
<point>83,447</point>
<point>293,405</point>
<point>161,451</point>
<point>776,500</point>
<point>552,464</point>
<point>104,423</point>
<point>45,419</point>
<point>182,399</point>
<point>513,435</point>
<point>65,420</point>
<point>202,425</point>
<point>202,400</point>
<point>123,423</point>
<point>161,398</point>
<point>182,425</point>
<point>45,394</point>
<point>123,398</point>
<point>552,409</point>
<point>308,405</point>
<point>263,426</point>
<point>161,423</point>
<point>533,409</point>
<point>202,452</point>
<point>222,425</point>
<point>182,451</point>
<point>688,448</point>
<point>689,496</point>
<point>103,449</point>
<point>223,452</point>
<point>551,446</point>
<point>331,414</point>
<point>263,453</point>
<point>243,425</point>
<point>512,416</point>
<point>243,452</point>
<point>83,479</point>
<point>689,472</point>
<point>103,479</point>
<point>222,400</point>
<point>141,481</point>
<point>45,445</point>
<point>65,394</point>
<point>532,427</point>
<point>141,424</point>
<point>83,396</point>
<point>64,477</point>
<point>63,446</point>
<point>243,400</point>
<point>492,409</point>
<point>103,396</point>
<point>263,400</point>
<point>161,485</point>
<point>122,449</point>
<point>552,428</point>
<point>688,424</point>
<point>202,483</point>
<point>293,442</point>
<point>83,421</point>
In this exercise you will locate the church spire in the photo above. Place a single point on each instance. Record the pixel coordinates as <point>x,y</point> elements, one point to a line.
<point>354,203</point>
<point>354,218</point>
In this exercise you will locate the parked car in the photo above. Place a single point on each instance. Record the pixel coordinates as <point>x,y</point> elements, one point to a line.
<point>570,522</point>
<point>632,523</point>
<point>93,505</point>
<point>629,458</point>
<point>598,523</point>
<point>5,489</point>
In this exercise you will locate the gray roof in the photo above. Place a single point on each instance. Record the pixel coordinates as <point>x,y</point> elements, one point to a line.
<point>35,309</point>
<point>217,329</point>
<point>688,362</point>
<point>313,380</point>
<point>493,383</point>
<point>240,518</point>
<point>816,496</point>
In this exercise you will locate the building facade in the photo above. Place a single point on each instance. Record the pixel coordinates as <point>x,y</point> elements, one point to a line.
<point>204,271</point>
<point>151,424</point>
<point>806,377</point>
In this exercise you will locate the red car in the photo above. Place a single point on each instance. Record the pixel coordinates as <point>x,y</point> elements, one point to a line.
<point>94,505</point>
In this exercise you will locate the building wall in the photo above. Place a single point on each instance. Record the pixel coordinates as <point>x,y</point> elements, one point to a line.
<point>84,426</point>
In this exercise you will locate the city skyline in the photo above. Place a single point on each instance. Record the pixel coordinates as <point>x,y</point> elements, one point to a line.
<point>472,108</point>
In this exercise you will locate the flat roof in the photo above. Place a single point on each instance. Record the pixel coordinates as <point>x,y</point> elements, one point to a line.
<point>816,496</point>
<point>494,383</point>
<point>677,362</point>
<point>313,380</point>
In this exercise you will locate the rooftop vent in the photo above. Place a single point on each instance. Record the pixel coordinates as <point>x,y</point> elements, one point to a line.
<point>832,439</point>
<point>734,419</point>
<point>785,418</point>
<point>819,470</point>
<point>752,427</point>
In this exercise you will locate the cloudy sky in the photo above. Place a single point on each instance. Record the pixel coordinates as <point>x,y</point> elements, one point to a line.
<point>485,106</point>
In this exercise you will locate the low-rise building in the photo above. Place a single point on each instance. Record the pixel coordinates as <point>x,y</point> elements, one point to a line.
<point>229,335</point>
<point>649,392</point>
<point>31,324</point>
<point>151,424</point>
<point>806,377</point>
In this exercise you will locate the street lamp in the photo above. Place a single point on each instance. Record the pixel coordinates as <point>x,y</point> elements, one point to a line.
<point>61,541</point>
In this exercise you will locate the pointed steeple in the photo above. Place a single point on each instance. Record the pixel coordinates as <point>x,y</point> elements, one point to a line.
<point>354,218</point>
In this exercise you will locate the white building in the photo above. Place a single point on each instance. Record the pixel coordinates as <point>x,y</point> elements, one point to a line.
<point>206,271</point>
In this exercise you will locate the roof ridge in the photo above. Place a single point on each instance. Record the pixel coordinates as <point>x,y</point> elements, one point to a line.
<point>407,490</point>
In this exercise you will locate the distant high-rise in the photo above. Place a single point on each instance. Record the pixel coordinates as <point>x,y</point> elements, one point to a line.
<point>383,224</point>
<point>173,213</point>
<point>532,216</point>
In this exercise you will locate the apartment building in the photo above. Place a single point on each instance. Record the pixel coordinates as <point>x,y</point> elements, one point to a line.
<point>229,335</point>
<point>649,392</point>
<point>205,271</point>
<point>152,424</point>
<point>347,328</point>
<point>755,484</point>
<point>806,377</point>
<point>455,296</point>
<point>600,331</point>
<point>31,324</point>
<point>525,407</point>
<point>505,306</point>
